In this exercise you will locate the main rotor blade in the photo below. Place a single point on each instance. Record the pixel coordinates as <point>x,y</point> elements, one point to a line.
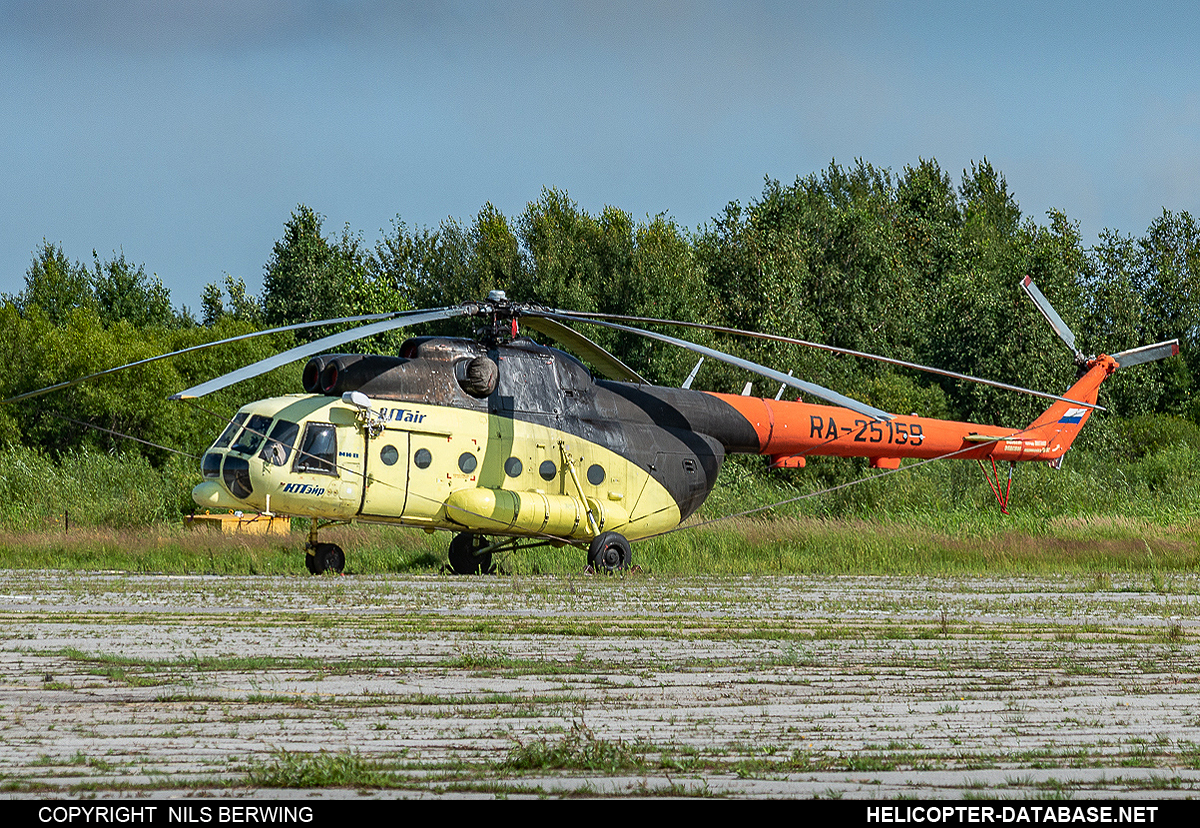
<point>1147,353</point>
<point>607,363</point>
<point>316,346</point>
<point>769,373</point>
<point>845,351</point>
<point>297,326</point>
<point>1060,327</point>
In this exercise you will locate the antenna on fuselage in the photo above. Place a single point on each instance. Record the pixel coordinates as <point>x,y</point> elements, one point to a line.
<point>779,395</point>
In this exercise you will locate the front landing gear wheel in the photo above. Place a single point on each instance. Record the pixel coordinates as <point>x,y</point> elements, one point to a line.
<point>465,557</point>
<point>610,552</point>
<point>325,557</point>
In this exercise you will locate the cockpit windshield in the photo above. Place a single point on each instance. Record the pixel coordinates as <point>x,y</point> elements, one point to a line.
<point>252,435</point>
<point>278,448</point>
<point>227,435</point>
<point>318,453</point>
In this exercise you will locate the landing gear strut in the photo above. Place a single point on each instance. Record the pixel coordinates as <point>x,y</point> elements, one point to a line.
<point>467,556</point>
<point>322,557</point>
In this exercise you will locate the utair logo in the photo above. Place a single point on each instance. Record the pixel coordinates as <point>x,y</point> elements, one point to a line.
<point>401,415</point>
<point>302,489</point>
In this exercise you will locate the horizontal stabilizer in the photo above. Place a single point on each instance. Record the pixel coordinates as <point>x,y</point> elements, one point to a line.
<point>1147,353</point>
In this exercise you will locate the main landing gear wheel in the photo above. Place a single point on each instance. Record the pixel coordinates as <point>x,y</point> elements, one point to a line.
<point>610,552</point>
<point>325,557</point>
<point>465,557</point>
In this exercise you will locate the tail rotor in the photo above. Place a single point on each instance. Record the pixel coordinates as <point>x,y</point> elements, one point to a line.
<point>1056,322</point>
<point>1125,359</point>
<point>1147,353</point>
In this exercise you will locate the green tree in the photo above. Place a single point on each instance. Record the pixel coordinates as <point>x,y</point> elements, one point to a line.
<point>310,277</point>
<point>1146,290</point>
<point>55,284</point>
<point>243,305</point>
<point>133,402</point>
<point>455,263</point>
<point>125,292</point>
<point>664,280</point>
<point>212,305</point>
<point>572,254</point>
<point>496,254</point>
<point>818,260</point>
<point>978,320</point>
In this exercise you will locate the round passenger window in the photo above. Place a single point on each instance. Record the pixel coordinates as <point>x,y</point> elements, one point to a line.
<point>547,470</point>
<point>422,459</point>
<point>467,462</point>
<point>595,474</point>
<point>389,455</point>
<point>513,467</point>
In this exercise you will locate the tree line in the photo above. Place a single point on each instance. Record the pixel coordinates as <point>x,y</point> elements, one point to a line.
<point>906,265</point>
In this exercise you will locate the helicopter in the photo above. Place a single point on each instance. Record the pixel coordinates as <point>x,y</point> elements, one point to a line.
<point>508,443</point>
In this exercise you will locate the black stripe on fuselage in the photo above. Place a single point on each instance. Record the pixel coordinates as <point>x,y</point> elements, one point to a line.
<point>680,437</point>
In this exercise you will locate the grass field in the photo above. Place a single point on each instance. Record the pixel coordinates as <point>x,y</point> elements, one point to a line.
<point>1098,545</point>
<point>1102,513</point>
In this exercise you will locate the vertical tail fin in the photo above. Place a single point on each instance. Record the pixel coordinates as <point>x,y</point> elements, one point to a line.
<point>1059,424</point>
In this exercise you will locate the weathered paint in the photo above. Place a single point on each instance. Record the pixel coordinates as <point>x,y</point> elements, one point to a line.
<point>550,451</point>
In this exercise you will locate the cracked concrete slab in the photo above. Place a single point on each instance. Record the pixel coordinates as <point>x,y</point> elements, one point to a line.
<point>751,686</point>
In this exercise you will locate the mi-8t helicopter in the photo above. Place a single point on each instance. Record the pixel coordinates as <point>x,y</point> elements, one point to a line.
<point>509,443</point>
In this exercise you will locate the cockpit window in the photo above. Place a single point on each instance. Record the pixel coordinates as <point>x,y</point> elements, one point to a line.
<point>227,435</point>
<point>252,435</point>
<point>318,451</point>
<point>278,448</point>
<point>210,466</point>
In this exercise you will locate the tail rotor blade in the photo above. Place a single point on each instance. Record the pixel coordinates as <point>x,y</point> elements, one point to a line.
<point>1056,322</point>
<point>1147,353</point>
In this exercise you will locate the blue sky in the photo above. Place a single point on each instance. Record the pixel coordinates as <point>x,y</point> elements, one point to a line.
<point>184,134</point>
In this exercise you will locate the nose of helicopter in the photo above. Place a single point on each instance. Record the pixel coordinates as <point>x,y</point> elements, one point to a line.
<point>284,452</point>
<point>253,441</point>
<point>212,495</point>
<point>227,483</point>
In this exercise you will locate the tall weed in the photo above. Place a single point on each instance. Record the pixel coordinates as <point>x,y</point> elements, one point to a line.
<point>89,488</point>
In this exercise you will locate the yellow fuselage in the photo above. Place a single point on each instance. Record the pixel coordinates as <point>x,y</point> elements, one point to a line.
<point>431,466</point>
